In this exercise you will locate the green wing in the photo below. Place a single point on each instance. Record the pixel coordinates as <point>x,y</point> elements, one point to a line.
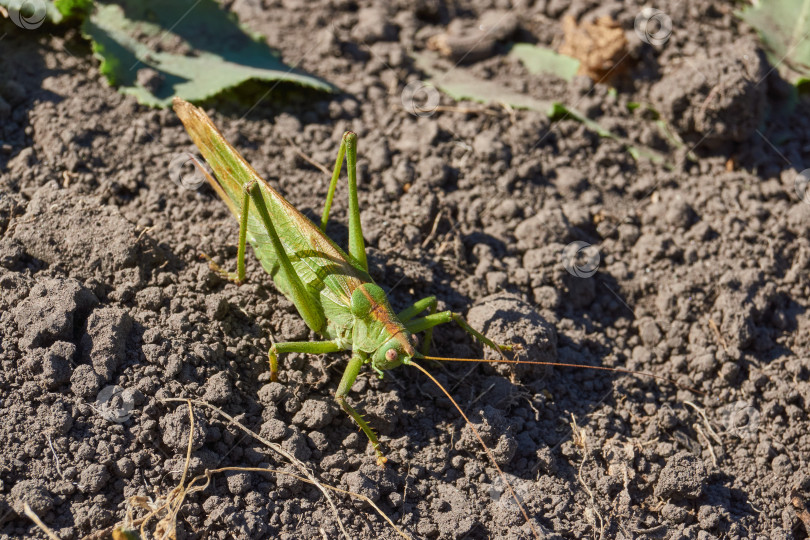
<point>324,268</point>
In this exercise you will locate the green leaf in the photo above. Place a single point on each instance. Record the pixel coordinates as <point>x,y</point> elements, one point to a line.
<point>784,28</point>
<point>209,51</point>
<point>636,150</point>
<point>541,60</point>
<point>73,9</point>
<point>459,83</point>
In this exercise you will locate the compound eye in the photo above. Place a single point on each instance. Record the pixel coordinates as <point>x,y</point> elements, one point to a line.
<point>391,355</point>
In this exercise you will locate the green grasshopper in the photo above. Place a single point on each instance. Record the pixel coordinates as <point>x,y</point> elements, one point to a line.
<point>331,289</point>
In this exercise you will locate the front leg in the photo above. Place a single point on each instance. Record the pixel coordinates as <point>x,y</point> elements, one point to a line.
<point>424,324</point>
<point>305,347</point>
<point>349,376</point>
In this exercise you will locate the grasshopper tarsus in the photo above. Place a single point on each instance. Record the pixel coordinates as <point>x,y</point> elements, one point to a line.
<point>340,397</point>
<point>221,272</point>
<point>272,356</point>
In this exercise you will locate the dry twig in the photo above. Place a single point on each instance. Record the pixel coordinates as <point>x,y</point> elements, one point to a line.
<point>35,518</point>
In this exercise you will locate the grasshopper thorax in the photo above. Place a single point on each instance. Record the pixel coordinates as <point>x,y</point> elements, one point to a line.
<point>377,330</point>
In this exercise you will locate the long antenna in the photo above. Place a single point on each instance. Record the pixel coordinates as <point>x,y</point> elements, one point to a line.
<point>564,364</point>
<point>480,440</point>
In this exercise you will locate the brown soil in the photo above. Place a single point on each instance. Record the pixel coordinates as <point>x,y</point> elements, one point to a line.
<point>702,277</point>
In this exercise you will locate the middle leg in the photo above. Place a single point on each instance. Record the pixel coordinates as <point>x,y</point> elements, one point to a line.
<point>418,307</point>
<point>349,376</point>
<point>426,324</point>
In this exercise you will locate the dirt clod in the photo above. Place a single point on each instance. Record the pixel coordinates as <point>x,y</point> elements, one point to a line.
<point>600,46</point>
<point>33,492</point>
<point>508,320</point>
<point>495,431</point>
<point>315,413</point>
<point>175,429</point>
<point>718,98</point>
<point>85,382</point>
<point>49,312</point>
<point>105,343</point>
<point>218,389</point>
<point>683,476</point>
<point>93,478</point>
<point>86,238</point>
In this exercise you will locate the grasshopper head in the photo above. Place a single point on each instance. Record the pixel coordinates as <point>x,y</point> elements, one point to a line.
<point>375,323</point>
<point>394,351</point>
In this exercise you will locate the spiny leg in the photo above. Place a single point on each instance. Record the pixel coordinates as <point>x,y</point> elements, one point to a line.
<point>426,323</point>
<point>357,247</point>
<point>333,184</point>
<point>305,347</point>
<point>307,306</point>
<point>344,387</point>
<point>237,277</point>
